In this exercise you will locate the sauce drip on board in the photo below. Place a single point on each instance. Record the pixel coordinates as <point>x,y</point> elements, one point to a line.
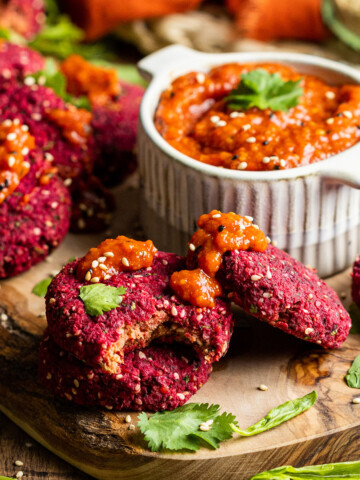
<point>99,84</point>
<point>15,144</point>
<point>193,117</point>
<point>218,233</point>
<point>73,122</point>
<point>113,256</point>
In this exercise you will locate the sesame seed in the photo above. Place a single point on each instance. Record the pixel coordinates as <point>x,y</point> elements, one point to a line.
<point>7,123</point>
<point>37,231</point>
<point>249,218</point>
<point>242,166</point>
<point>282,163</point>
<point>107,277</point>
<point>181,396</point>
<point>6,73</point>
<point>268,274</point>
<point>19,474</point>
<point>310,296</point>
<point>109,254</point>
<point>11,136</point>
<point>36,116</point>
<point>192,247</point>
<point>204,427</point>
<point>174,311</point>
<point>265,160</point>
<point>29,81</point>
<point>95,280</point>
<point>330,121</point>
<point>102,259</point>
<point>268,239</point>
<point>52,301</point>
<point>3,317</point>
<point>176,376</point>
<point>94,263</point>
<point>19,463</point>
<point>347,114</point>
<point>26,165</point>
<point>24,128</point>
<point>103,267</point>
<point>356,400</point>
<point>214,118</point>
<point>128,419</point>
<point>246,127</point>
<point>48,376</point>
<point>200,77</point>
<point>217,215</point>
<point>67,182</point>
<point>255,278</point>
<point>131,427</point>
<point>256,226</point>
<point>54,204</point>
<point>125,262</point>
<point>221,123</point>
<point>209,422</point>
<point>11,161</point>
<point>25,151</point>
<point>16,121</point>
<point>236,114</point>
<point>250,140</point>
<point>275,158</point>
<point>142,355</point>
<point>49,157</point>
<point>76,383</point>
<point>308,331</point>
<point>330,95</point>
<point>263,387</point>
<point>88,276</point>
<point>267,295</point>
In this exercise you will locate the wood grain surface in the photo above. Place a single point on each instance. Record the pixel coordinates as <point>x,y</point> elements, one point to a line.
<point>99,442</point>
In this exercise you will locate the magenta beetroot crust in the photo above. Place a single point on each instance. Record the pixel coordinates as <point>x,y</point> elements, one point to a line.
<point>32,226</point>
<point>159,377</point>
<point>115,128</point>
<point>274,287</point>
<point>30,13</point>
<point>148,294</point>
<point>17,61</point>
<point>355,289</point>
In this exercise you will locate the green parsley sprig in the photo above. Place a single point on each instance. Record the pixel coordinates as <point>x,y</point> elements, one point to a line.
<point>100,298</point>
<point>193,425</point>
<point>261,89</point>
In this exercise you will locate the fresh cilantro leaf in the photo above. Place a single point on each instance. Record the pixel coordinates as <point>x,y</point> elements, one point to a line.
<point>348,470</point>
<point>71,259</point>
<point>353,376</point>
<point>261,89</point>
<point>220,430</point>
<point>179,428</point>
<point>100,298</point>
<point>354,312</point>
<point>41,287</point>
<point>51,77</point>
<point>279,415</point>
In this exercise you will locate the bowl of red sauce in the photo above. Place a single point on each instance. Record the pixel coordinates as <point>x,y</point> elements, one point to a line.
<point>270,135</point>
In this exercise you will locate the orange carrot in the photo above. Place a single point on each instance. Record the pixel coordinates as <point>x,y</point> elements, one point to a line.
<point>278,19</point>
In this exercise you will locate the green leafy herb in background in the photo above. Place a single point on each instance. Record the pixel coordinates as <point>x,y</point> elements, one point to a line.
<point>180,429</point>
<point>350,470</point>
<point>40,289</point>
<point>51,77</point>
<point>353,376</point>
<point>262,89</point>
<point>100,298</point>
<point>126,71</point>
<point>354,312</point>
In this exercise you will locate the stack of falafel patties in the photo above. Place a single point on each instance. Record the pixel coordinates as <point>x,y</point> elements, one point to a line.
<point>152,352</point>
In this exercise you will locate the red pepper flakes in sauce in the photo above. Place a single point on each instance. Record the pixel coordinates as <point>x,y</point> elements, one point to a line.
<point>218,233</point>
<point>113,256</point>
<point>15,144</point>
<point>193,117</point>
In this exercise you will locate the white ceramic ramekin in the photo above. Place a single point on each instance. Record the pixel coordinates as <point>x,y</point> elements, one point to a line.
<point>312,212</point>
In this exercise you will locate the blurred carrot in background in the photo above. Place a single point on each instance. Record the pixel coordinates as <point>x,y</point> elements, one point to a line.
<point>99,17</point>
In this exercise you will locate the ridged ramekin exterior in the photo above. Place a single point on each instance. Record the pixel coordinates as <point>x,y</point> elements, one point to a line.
<point>315,220</point>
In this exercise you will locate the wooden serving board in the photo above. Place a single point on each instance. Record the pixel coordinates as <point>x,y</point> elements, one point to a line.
<point>100,443</point>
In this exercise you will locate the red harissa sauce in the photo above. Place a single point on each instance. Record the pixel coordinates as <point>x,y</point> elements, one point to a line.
<point>218,233</point>
<point>192,116</point>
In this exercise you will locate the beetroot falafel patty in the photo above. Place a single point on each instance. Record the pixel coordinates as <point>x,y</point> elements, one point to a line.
<point>158,377</point>
<point>18,61</point>
<point>115,127</point>
<point>34,219</point>
<point>25,17</point>
<point>275,288</point>
<point>355,288</point>
<point>149,310</point>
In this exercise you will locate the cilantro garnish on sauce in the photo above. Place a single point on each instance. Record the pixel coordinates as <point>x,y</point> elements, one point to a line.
<point>100,298</point>
<point>262,89</point>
